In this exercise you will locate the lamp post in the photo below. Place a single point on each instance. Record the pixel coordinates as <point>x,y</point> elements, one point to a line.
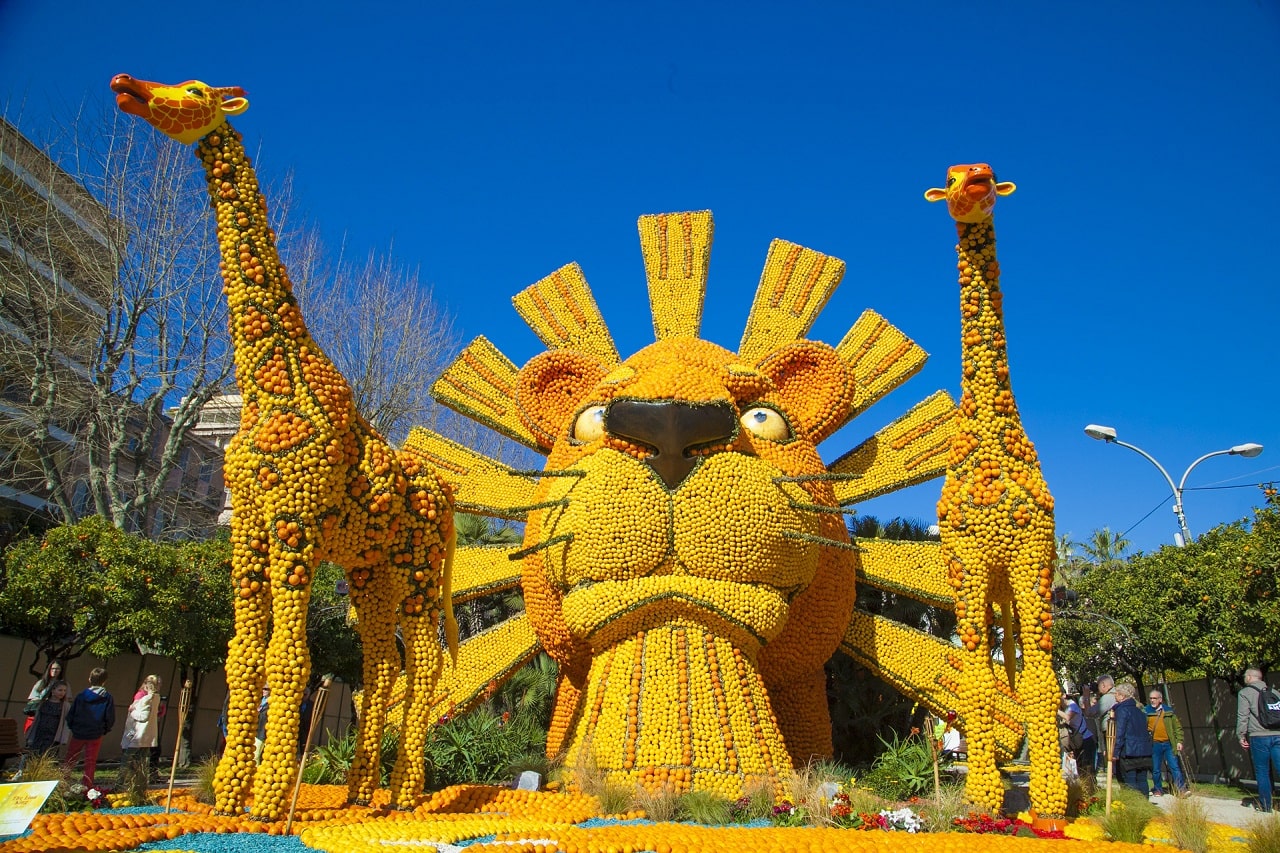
<point>1183,536</point>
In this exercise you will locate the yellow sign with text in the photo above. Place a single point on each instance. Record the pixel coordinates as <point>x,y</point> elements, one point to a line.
<point>19,803</point>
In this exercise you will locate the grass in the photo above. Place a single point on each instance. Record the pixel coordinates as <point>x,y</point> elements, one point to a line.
<point>661,805</point>
<point>1264,834</point>
<point>202,790</point>
<point>134,779</point>
<point>704,807</point>
<point>757,800</point>
<point>49,768</point>
<point>1130,813</point>
<point>939,818</point>
<point>1189,825</point>
<point>614,797</point>
<point>1217,791</point>
<point>804,789</point>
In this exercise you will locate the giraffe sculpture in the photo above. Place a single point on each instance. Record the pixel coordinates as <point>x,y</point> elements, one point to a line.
<point>310,480</point>
<point>996,516</point>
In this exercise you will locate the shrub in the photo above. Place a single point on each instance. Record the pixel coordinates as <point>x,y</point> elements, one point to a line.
<point>903,770</point>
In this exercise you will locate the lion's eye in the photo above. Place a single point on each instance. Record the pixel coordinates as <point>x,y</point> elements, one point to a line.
<point>766,423</point>
<point>590,424</point>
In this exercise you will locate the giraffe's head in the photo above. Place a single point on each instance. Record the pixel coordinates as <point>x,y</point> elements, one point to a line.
<point>971,192</point>
<point>184,112</point>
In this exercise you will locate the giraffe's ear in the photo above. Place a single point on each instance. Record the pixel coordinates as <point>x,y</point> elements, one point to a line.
<point>235,106</point>
<point>550,388</point>
<point>935,194</point>
<point>1005,188</point>
<point>813,384</point>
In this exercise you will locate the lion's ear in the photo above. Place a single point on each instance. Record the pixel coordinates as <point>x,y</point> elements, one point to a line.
<point>550,388</point>
<point>814,385</point>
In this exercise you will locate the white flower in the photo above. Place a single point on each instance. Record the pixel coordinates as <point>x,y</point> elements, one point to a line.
<point>93,793</point>
<point>903,818</point>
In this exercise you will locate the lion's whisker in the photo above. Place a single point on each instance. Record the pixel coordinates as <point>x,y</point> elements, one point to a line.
<point>532,507</point>
<point>533,549</point>
<point>809,478</point>
<point>833,510</point>
<point>820,540</point>
<point>535,474</point>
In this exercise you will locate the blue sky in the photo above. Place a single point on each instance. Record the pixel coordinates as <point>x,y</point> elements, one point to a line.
<point>494,142</point>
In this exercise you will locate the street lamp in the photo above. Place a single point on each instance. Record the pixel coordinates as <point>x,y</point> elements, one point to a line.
<point>1183,536</point>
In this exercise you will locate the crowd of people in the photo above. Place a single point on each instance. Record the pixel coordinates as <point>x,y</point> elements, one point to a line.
<point>1144,744</point>
<point>55,719</point>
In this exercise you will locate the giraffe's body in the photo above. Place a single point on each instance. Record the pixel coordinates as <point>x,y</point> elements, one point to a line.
<point>310,480</point>
<point>996,515</point>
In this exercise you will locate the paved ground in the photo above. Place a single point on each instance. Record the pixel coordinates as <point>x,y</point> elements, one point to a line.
<point>1229,812</point>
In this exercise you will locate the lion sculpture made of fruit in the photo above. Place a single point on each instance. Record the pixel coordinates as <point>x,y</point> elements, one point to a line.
<point>685,560</point>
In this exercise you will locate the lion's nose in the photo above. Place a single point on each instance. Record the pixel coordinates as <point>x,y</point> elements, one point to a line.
<point>671,427</point>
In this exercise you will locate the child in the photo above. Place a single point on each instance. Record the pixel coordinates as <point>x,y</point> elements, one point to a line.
<point>92,715</point>
<point>49,724</point>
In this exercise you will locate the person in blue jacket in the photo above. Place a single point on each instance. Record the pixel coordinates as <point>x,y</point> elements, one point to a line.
<point>1132,749</point>
<point>92,715</point>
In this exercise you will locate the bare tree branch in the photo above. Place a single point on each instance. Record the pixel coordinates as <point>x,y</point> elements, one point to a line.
<point>115,314</point>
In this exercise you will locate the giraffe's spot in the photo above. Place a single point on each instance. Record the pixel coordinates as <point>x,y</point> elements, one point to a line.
<point>273,374</point>
<point>256,324</point>
<point>292,536</point>
<point>285,430</point>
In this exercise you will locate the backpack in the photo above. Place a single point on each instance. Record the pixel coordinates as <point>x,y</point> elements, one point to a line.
<point>1268,708</point>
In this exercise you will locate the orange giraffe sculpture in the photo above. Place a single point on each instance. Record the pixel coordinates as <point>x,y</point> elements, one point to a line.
<point>310,480</point>
<point>996,515</point>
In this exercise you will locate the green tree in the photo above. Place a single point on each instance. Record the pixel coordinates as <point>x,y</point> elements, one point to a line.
<point>1068,565</point>
<point>77,589</point>
<point>331,637</point>
<point>479,530</point>
<point>1104,548</point>
<point>190,616</point>
<point>1211,608</point>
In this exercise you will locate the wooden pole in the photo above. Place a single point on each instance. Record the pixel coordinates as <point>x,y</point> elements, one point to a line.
<point>933,751</point>
<point>184,705</point>
<point>1110,736</point>
<point>317,715</point>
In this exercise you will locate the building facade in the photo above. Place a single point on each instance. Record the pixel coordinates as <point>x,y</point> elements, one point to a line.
<point>60,250</point>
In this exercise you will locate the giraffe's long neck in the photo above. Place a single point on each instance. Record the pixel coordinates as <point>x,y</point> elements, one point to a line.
<point>984,359</point>
<point>269,338</point>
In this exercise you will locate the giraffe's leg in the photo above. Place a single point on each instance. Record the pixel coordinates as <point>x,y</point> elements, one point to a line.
<point>1037,684</point>
<point>246,659</point>
<point>977,681</point>
<point>375,622</point>
<point>291,576</point>
<point>422,667</point>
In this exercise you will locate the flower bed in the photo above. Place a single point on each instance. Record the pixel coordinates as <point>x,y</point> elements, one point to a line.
<point>487,818</point>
